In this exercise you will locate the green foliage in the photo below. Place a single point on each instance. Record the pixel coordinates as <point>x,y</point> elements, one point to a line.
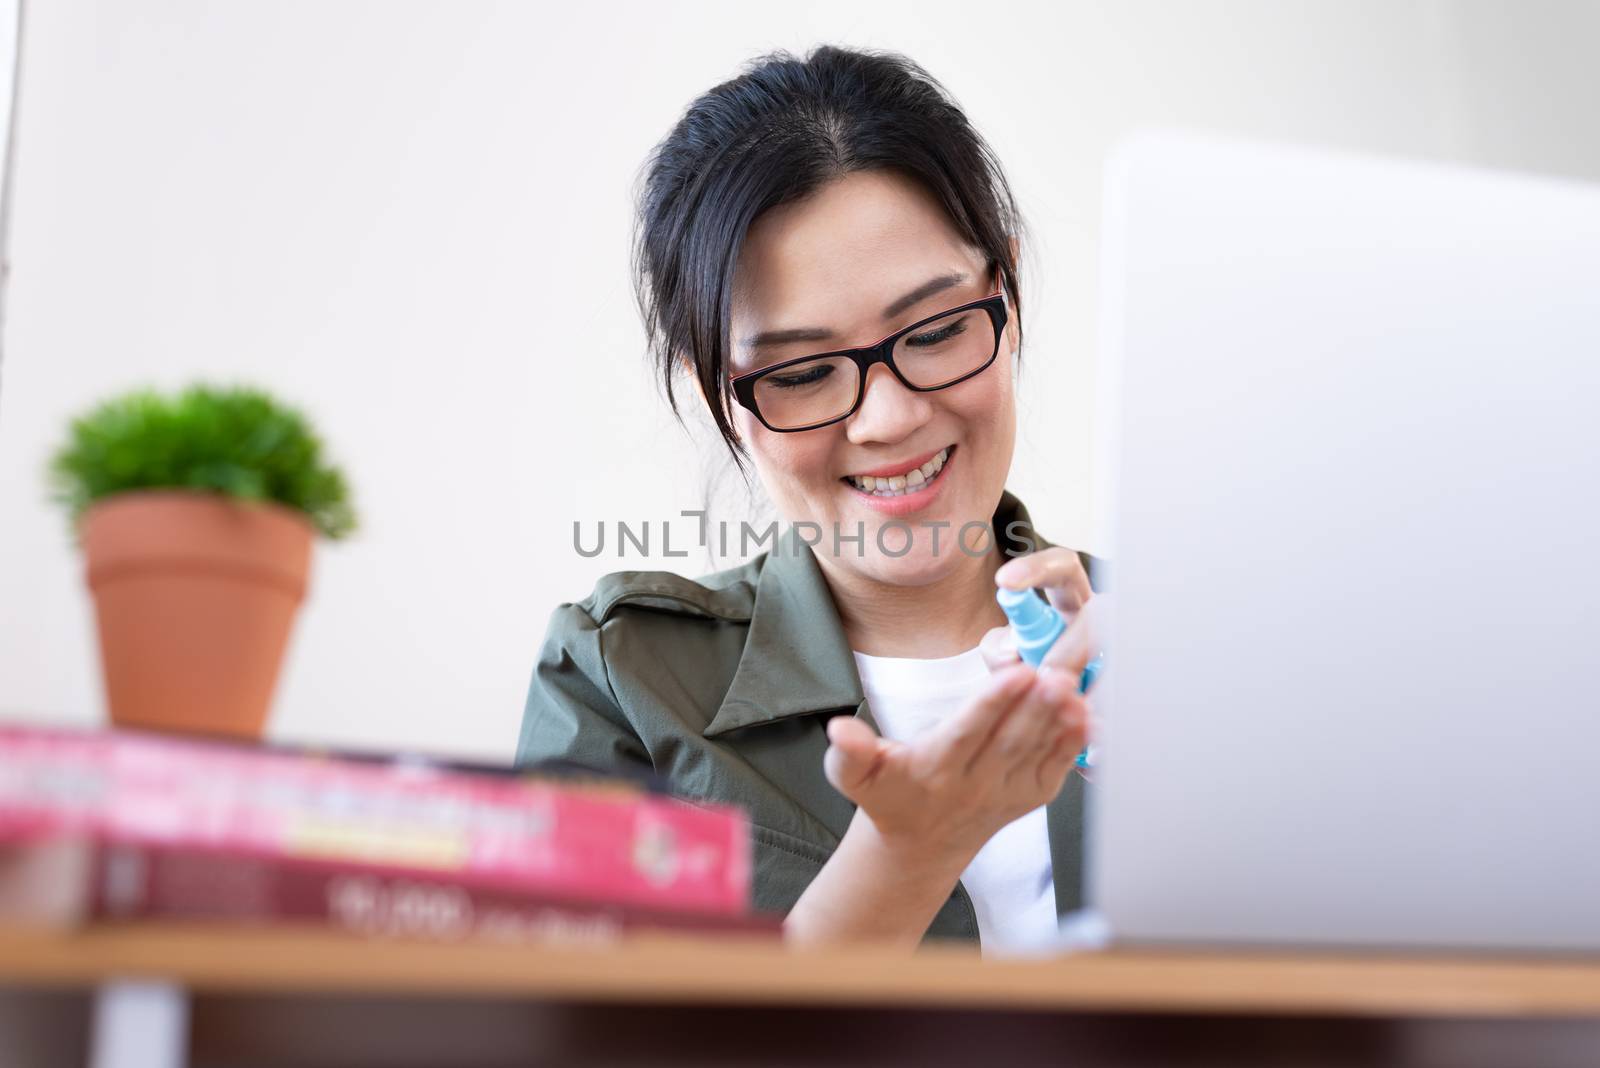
<point>239,442</point>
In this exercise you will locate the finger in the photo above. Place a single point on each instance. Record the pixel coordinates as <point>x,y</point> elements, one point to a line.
<point>1091,722</point>
<point>1071,736</point>
<point>854,757</point>
<point>960,737</point>
<point>998,648</point>
<point>1017,743</point>
<point>1072,651</point>
<point>1052,772</point>
<point>1056,570</point>
<point>1082,640</point>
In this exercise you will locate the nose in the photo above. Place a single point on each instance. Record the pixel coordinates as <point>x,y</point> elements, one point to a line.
<point>889,411</point>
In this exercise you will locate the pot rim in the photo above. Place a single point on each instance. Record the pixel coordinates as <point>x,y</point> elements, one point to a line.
<point>189,495</point>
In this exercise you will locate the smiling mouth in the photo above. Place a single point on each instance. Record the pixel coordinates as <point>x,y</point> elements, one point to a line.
<point>912,481</point>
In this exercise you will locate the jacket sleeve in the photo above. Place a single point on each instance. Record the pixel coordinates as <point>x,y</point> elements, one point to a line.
<point>571,713</point>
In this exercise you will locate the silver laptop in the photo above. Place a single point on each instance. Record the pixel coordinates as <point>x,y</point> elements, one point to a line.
<point>1351,457</point>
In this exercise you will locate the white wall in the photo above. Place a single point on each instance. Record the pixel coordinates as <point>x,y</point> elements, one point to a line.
<point>413,218</point>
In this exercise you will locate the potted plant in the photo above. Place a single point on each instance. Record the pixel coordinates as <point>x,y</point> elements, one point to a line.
<point>196,514</point>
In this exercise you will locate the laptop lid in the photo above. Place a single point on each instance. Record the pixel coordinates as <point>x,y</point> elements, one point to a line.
<point>1351,463</point>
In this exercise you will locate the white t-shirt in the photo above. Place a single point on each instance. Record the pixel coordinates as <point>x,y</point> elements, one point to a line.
<point>1010,880</point>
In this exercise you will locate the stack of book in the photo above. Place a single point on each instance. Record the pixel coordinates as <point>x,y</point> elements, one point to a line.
<point>114,825</point>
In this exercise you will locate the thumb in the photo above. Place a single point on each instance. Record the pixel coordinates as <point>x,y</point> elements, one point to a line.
<point>853,758</point>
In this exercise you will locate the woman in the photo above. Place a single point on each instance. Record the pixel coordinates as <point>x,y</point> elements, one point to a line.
<point>828,250</point>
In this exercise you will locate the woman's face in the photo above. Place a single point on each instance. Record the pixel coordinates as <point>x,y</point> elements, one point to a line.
<point>832,265</point>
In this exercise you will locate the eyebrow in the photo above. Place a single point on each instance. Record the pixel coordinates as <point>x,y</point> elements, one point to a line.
<point>817,333</point>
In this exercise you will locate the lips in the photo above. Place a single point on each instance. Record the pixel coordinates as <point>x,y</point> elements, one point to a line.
<point>901,479</point>
<point>890,470</point>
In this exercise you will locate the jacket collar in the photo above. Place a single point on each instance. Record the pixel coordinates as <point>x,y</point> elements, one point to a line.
<point>796,659</point>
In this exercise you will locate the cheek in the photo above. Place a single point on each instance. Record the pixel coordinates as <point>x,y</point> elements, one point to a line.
<point>789,464</point>
<point>988,418</point>
<point>989,406</point>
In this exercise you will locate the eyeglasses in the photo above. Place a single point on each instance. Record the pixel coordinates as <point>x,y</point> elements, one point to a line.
<point>933,353</point>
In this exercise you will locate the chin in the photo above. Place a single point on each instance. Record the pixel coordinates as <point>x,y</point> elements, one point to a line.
<point>919,567</point>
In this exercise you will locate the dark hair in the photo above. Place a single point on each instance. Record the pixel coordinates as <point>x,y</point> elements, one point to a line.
<point>773,135</point>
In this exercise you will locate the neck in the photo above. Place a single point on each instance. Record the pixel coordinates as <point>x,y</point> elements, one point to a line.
<point>942,618</point>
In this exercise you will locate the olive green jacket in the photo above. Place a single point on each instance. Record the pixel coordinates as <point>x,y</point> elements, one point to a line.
<point>722,686</point>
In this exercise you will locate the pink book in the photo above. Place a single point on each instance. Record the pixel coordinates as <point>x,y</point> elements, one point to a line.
<point>491,830</point>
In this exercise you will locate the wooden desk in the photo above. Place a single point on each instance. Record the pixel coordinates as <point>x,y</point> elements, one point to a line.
<point>309,996</point>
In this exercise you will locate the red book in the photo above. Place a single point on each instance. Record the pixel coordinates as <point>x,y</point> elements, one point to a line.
<point>488,833</point>
<point>71,879</point>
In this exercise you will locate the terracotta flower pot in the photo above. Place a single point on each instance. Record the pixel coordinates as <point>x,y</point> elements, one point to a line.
<point>195,596</point>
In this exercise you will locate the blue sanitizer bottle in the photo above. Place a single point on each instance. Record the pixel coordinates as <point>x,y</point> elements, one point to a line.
<point>1037,626</point>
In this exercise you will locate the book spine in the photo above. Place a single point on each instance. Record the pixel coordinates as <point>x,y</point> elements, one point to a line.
<point>137,880</point>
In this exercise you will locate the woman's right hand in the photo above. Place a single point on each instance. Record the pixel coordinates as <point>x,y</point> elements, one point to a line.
<point>941,797</point>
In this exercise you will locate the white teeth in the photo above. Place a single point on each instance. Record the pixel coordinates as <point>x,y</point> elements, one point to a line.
<point>900,485</point>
